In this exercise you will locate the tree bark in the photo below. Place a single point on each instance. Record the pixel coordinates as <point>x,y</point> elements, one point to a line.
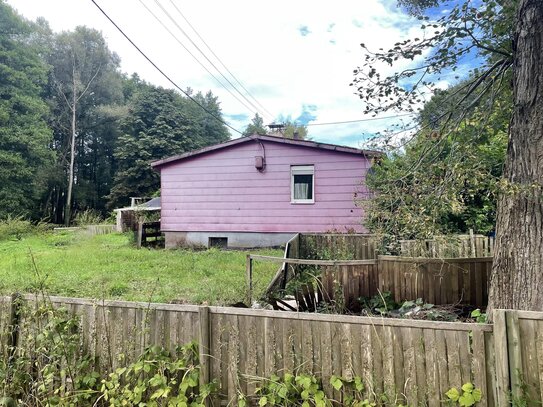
<point>517,271</point>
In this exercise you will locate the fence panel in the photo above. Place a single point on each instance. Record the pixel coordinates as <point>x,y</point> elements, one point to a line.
<point>437,281</point>
<point>413,362</point>
<point>292,250</point>
<point>525,343</point>
<point>338,246</point>
<point>110,329</point>
<point>470,245</point>
<point>353,281</point>
<point>5,325</point>
<point>410,362</point>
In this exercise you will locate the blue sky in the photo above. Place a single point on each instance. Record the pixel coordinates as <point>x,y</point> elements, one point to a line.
<point>296,59</point>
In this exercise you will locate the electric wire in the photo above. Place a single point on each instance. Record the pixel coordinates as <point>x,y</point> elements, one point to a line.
<point>370,119</point>
<point>195,58</point>
<point>205,56</point>
<point>220,61</point>
<point>162,72</point>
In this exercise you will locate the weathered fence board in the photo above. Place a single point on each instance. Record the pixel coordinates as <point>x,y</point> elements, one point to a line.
<point>437,281</point>
<point>525,355</point>
<point>470,245</point>
<point>387,353</point>
<point>338,246</point>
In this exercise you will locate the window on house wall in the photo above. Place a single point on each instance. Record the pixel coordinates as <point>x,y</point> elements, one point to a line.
<point>302,184</point>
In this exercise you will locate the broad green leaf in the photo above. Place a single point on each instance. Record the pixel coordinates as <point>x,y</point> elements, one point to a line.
<point>467,387</point>
<point>466,400</point>
<point>453,394</point>
<point>477,395</point>
<point>336,382</point>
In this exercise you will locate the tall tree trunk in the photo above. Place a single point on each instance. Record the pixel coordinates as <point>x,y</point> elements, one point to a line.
<point>517,271</point>
<point>68,210</point>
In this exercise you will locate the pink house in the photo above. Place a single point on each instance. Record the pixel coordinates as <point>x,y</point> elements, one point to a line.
<point>260,190</point>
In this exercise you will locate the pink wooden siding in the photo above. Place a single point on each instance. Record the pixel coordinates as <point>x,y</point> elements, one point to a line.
<point>222,191</point>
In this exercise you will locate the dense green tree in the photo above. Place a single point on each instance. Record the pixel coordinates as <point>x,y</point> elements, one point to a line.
<point>441,184</point>
<point>256,126</point>
<point>291,128</point>
<point>84,83</point>
<point>25,138</point>
<point>160,123</point>
<point>507,35</point>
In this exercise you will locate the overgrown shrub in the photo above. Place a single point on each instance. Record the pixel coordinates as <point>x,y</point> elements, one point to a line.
<point>50,366</point>
<point>14,228</point>
<point>88,217</point>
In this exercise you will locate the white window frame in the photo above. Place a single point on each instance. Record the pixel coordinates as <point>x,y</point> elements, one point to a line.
<point>302,170</point>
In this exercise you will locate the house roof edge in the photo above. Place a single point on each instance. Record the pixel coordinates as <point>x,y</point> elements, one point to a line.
<point>274,139</point>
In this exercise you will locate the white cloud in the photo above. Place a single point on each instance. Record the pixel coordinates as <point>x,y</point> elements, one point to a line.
<point>260,42</point>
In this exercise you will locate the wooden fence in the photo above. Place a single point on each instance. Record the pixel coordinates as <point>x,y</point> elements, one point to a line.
<point>337,246</point>
<point>149,234</point>
<point>91,230</point>
<point>470,245</point>
<point>411,362</point>
<point>366,246</point>
<point>100,229</point>
<point>436,281</point>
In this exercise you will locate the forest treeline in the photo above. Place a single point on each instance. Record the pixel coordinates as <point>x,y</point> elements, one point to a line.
<point>75,132</point>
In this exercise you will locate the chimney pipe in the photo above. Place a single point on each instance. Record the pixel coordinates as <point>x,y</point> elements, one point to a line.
<point>296,135</point>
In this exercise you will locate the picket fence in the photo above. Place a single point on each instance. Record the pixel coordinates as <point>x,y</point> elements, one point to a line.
<point>410,362</point>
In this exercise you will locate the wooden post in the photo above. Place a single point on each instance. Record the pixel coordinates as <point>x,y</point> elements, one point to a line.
<point>249,276</point>
<point>501,358</point>
<point>15,319</point>
<point>472,244</point>
<point>139,234</point>
<point>204,347</point>
<point>514,352</point>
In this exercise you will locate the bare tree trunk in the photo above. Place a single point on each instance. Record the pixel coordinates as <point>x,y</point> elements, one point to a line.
<point>517,272</point>
<point>68,209</point>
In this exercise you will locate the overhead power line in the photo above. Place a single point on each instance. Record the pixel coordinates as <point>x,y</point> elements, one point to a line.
<point>194,56</point>
<point>256,108</point>
<point>163,73</point>
<point>220,61</point>
<point>361,120</point>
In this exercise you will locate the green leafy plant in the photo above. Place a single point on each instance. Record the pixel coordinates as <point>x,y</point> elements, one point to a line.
<point>467,396</point>
<point>50,367</point>
<point>351,391</point>
<point>290,390</point>
<point>159,378</point>
<point>14,228</point>
<point>480,317</point>
<point>381,303</point>
<point>88,217</point>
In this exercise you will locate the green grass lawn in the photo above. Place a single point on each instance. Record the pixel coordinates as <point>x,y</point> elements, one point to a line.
<point>109,266</point>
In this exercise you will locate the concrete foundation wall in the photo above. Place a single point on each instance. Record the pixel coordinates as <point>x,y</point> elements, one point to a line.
<point>235,239</point>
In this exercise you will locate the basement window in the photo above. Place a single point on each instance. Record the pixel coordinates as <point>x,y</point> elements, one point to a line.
<point>218,242</point>
<point>302,189</point>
